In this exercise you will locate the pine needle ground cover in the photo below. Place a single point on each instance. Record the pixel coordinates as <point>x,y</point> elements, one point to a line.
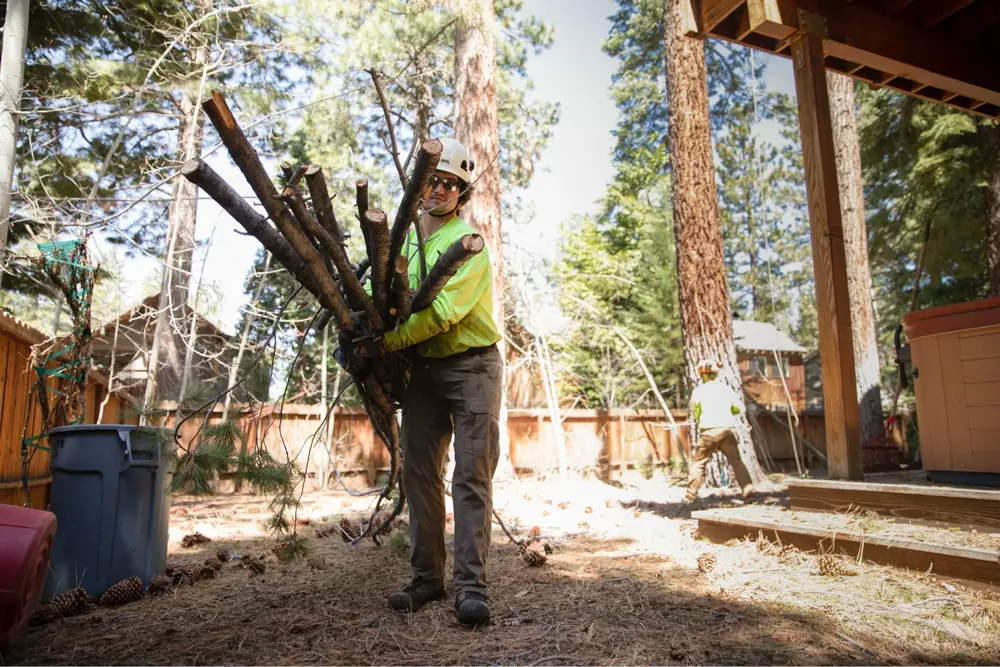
<point>621,586</point>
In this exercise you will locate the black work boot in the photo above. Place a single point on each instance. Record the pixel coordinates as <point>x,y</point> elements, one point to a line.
<point>471,608</point>
<point>416,594</point>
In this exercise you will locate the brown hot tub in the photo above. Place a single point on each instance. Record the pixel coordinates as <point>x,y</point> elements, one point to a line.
<point>955,353</point>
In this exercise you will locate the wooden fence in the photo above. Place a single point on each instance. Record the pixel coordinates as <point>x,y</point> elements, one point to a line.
<point>16,378</point>
<point>604,440</point>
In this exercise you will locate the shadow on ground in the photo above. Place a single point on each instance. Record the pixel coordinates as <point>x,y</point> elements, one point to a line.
<point>587,605</point>
<point>682,510</point>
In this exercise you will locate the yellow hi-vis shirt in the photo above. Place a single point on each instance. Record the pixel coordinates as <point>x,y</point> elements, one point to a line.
<point>714,405</point>
<point>461,316</point>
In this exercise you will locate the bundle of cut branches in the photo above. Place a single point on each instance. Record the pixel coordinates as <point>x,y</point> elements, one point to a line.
<point>309,241</point>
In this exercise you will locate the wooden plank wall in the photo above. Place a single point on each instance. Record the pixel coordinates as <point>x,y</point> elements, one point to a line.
<point>16,378</point>
<point>605,440</point>
<point>958,392</point>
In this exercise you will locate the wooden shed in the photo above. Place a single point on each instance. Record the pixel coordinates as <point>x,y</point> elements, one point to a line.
<point>956,377</point>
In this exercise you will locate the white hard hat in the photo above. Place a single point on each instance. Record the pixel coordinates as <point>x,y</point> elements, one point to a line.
<point>709,366</point>
<point>455,159</point>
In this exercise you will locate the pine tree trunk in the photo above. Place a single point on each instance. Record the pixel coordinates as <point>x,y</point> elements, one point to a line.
<point>859,277</point>
<point>477,127</point>
<point>425,99</point>
<point>166,366</point>
<point>706,318</point>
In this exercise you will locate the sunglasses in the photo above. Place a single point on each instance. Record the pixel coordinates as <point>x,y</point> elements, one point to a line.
<point>449,184</point>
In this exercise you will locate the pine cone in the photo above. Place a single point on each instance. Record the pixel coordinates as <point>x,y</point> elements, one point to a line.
<point>73,602</point>
<point>213,563</point>
<point>205,572</point>
<point>189,541</point>
<point>125,591</point>
<point>534,554</point>
<point>160,585</point>
<point>256,566</point>
<point>43,614</point>
<point>222,555</point>
<point>180,575</point>
<point>350,529</point>
<point>534,532</point>
<point>706,562</point>
<point>327,530</point>
<point>830,566</point>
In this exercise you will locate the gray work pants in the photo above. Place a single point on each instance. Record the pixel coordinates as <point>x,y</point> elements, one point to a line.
<point>455,395</point>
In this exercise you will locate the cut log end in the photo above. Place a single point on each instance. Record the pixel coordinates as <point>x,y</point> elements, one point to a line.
<point>432,147</point>
<point>190,167</point>
<point>375,217</point>
<point>313,169</point>
<point>474,243</point>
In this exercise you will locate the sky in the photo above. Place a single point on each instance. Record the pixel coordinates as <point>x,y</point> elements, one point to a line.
<point>571,177</point>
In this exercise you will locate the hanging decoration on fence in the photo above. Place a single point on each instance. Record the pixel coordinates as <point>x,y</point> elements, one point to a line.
<point>63,371</point>
<point>310,243</point>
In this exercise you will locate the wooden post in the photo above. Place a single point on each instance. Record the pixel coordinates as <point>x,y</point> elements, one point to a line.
<point>833,306</point>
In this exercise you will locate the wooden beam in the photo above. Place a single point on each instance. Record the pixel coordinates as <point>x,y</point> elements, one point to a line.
<point>973,21</point>
<point>902,501</point>
<point>710,13</point>
<point>932,12</point>
<point>840,398</point>
<point>857,35</point>
<point>974,564</point>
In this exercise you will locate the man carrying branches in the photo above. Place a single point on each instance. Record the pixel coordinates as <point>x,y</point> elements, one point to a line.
<point>455,389</point>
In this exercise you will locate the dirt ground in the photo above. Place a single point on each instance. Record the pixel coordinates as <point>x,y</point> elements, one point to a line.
<point>623,586</point>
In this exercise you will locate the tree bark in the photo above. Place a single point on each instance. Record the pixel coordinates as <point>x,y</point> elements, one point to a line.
<point>852,205</point>
<point>167,364</point>
<point>407,213</point>
<point>15,38</point>
<point>376,225</point>
<point>478,128</point>
<point>322,204</point>
<point>706,318</point>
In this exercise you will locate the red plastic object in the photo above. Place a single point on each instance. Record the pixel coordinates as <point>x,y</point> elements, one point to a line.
<point>25,543</point>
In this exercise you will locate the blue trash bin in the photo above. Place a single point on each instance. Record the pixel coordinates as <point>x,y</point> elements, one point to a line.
<point>110,495</point>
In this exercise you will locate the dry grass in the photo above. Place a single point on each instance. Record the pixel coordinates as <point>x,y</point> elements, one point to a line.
<point>627,590</point>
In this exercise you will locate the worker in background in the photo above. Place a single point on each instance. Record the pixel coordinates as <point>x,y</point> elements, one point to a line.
<point>454,389</point>
<point>714,410</point>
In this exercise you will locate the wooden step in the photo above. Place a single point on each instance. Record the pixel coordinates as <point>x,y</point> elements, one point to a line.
<point>964,563</point>
<point>977,507</point>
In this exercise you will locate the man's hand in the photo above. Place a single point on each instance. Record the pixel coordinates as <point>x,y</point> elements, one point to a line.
<point>369,347</point>
<point>351,354</point>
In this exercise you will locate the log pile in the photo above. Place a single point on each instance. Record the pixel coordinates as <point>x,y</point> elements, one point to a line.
<point>309,241</point>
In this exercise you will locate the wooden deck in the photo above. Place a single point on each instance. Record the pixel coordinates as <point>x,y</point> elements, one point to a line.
<point>949,561</point>
<point>950,505</point>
